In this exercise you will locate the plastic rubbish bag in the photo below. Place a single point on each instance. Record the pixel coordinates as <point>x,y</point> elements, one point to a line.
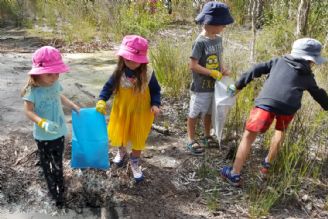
<point>89,140</point>
<point>221,105</point>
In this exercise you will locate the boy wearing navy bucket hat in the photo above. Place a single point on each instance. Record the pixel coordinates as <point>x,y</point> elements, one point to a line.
<point>280,98</point>
<point>206,66</point>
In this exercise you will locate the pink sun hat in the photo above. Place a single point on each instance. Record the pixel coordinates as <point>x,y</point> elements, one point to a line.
<point>134,48</point>
<point>47,60</point>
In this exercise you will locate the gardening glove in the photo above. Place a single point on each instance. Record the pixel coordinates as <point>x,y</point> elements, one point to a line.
<point>216,74</point>
<point>48,126</point>
<point>101,106</point>
<point>231,90</point>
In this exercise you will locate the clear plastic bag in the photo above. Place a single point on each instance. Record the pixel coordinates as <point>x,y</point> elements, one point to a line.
<point>222,103</point>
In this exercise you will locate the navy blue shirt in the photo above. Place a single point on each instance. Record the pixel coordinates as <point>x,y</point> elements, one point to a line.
<point>154,88</point>
<point>288,78</point>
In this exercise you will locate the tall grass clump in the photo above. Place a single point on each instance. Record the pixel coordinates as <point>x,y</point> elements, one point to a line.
<point>69,20</point>
<point>135,19</point>
<point>84,21</point>
<point>170,62</point>
<point>10,10</point>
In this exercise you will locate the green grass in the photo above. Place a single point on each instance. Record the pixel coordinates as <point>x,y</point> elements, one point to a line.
<point>170,61</point>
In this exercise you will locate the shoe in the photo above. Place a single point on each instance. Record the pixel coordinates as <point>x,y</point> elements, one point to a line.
<point>210,142</point>
<point>233,179</point>
<point>265,168</point>
<point>120,158</point>
<point>195,148</point>
<point>136,170</point>
<point>60,203</point>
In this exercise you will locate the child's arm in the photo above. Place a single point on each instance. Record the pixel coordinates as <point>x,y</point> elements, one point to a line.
<point>29,112</point>
<point>69,103</point>
<point>108,89</point>
<point>155,95</point>
<point>255,72</point>
<point>47,125</point>
<point>105,94</point>
<point>196,67</point>
<point>319,95</point>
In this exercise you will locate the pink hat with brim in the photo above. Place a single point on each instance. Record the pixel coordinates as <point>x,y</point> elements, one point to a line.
<point>47,60</point>
<point>134,48</point>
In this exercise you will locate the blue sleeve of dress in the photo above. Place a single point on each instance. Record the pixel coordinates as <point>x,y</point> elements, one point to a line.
<point>108,89</point>
<point>155,91</point>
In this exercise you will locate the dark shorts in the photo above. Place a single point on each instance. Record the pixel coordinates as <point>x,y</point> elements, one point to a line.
<point>260,120</point>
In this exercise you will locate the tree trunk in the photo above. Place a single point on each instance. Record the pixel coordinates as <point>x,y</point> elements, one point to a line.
<point>254,18</point>
<point>302,17</point>
<point>259,14</point>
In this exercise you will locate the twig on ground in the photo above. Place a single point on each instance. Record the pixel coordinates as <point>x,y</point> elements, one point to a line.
<point>27,157</point>
<point>160,129</point>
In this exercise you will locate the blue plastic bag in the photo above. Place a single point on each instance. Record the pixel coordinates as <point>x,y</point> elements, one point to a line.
<point>89,140</point>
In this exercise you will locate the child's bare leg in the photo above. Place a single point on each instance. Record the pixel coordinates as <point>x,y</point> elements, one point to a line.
<point>207,124</point>
<point>275,144</point>
<point>191,127</point>
<point>243,150</point>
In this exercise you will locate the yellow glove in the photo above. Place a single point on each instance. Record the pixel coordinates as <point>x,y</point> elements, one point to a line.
<point>216,74</point>
<point>101,106</point>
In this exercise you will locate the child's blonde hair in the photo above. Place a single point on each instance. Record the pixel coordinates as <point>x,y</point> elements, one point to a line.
<point>31,82</point>
<point>141,75</point>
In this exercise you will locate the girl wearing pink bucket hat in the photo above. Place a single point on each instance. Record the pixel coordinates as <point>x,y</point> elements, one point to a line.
<point>136,102</point>
<point>43,105</point>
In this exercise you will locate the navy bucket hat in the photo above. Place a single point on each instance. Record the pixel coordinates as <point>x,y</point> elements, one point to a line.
<point>215,13</point>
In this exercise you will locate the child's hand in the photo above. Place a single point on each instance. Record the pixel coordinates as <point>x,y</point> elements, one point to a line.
<point>48,126</point>
<point>225,71</point>
<point>155,110</point>
<point>231,90</point>
<point>216,74</point>
<point>101,106</point>
<point>76,109</point>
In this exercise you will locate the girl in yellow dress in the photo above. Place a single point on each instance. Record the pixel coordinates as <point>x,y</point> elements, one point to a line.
<point>136,102</point>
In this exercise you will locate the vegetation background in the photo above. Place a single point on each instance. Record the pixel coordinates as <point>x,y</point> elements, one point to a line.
<point>263,29</point>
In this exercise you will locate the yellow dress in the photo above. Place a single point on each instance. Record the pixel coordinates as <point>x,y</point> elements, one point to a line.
<point>130,119</point>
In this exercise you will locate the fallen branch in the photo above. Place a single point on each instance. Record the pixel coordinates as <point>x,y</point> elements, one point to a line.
<point>80,87</point>
<point>160,129</point>
<point>27,157</point>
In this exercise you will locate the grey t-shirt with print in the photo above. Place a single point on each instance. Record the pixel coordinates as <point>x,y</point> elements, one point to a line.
<point>208,52</point>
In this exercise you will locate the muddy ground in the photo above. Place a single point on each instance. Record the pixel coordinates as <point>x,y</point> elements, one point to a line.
<point>173,186</point>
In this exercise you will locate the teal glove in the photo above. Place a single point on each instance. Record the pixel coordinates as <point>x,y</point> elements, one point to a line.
<point>231,90</point>
<point>48,126</point>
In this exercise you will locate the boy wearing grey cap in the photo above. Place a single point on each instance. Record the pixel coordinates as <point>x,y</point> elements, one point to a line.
<point>206,66</point>
<point>279,99</point>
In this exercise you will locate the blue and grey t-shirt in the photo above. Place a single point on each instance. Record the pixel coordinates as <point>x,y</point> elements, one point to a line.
<point>208,52</point>
<point>47,104</point>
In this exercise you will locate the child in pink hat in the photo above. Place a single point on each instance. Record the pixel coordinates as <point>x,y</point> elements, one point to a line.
<point>136,102</point>
<point>43,105</point>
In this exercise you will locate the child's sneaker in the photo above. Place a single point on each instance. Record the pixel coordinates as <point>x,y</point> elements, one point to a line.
<point>265,168</point>
<point>136,170</point>
<point>120,157</point>
<point>233,179</point>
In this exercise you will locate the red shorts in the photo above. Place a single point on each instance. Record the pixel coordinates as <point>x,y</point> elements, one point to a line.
<point>260,120</point>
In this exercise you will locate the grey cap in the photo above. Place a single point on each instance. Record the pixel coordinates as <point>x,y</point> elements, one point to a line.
<point>308,49</point>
